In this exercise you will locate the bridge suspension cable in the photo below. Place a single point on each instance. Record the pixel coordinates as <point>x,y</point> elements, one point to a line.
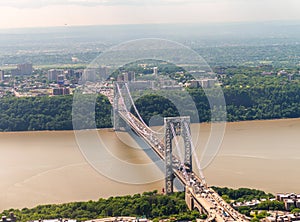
<point>197,187</point>
<point>196,158</point>
<point>121,97</point>
<point>128,112</point>
<point>173,132</point>
<point>179,152</point>
<point>136,110</point>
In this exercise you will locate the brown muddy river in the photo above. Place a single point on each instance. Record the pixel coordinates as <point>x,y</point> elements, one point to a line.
<point>48,167</point>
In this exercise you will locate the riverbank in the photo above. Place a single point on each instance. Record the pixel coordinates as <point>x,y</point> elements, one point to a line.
<point>204,124</point>
<point>153,205</point>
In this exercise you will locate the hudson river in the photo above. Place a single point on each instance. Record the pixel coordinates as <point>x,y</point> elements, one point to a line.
<point>48,167</point>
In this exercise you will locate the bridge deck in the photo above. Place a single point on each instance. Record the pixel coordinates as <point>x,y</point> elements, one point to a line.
<point>217,208</point>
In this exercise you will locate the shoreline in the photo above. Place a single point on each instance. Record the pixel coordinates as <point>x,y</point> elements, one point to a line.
<point>111,129</point>
<point>139,192</point>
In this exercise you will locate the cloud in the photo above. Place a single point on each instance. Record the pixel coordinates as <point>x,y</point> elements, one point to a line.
<point>40,13</point>
<point>44,3</point>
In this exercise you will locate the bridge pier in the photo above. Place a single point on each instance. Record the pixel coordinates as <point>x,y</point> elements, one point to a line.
<point>192,203</point>
<point>189,198</point>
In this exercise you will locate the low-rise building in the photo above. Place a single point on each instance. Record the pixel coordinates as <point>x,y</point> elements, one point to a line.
<point>282,197</point>
<point>11,218</point>
<point>60,91</point>
<point>290,200</point>
<point>54,220</point>
<point>289,204</point>
<point>282,72</point>
<point>298,203</point>
<point>204,83</point>
<point>267,73</point>
<point>283,218</point>
<point>247,204</point>
<point>119,219</point>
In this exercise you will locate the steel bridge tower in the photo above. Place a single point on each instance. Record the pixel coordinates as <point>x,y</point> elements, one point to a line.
<point>118,123</point>
<point>180,126</point>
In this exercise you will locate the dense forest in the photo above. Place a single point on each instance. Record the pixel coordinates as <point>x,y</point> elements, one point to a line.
<point>149,204</point>
<point>242,194</point>
<point>243,102</point>
<point>49,113</point>
<point>247,98</point>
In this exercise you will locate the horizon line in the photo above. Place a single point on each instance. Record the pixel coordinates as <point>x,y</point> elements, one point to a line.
<point>156,24</point>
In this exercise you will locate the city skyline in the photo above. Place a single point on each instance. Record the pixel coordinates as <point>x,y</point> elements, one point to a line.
<point>34,13</point>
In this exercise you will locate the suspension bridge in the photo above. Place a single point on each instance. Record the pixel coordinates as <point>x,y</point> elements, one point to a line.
<point>198,194</point>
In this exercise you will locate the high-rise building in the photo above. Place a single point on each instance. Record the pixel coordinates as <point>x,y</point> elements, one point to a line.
<point>53,74</point>
<point>155,71</point>
<point>61,80</point>
<point>89,74</point>
<point>15,72</point>
<point>290,77</point>
<point>1,75</point>
<point>69,73</point>
<point>25,69</point>
<point>104,74</point>
<point>129,76</point>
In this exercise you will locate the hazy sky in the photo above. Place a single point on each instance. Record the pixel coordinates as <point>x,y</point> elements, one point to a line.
<point>32,13</point>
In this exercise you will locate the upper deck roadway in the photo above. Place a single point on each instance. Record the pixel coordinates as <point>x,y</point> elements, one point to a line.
<point>217,209</point>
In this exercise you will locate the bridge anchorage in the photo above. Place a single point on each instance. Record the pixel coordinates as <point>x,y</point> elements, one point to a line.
<point>197,194</point>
